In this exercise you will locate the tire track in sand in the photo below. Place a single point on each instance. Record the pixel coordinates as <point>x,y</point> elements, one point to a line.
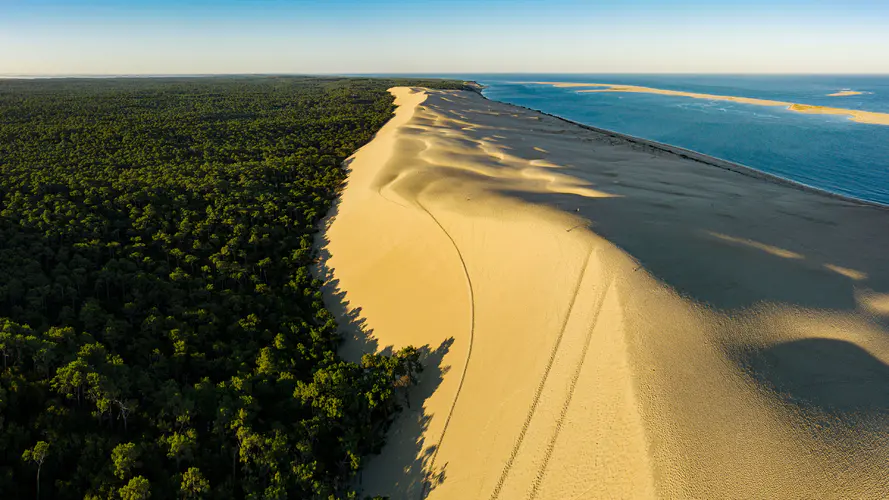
<point>429,472</point>
<point>551,446</point>
<point>424,491</point>
<point>539,392</point>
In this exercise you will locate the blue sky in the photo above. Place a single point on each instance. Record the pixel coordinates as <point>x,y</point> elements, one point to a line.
<point>435,36</point>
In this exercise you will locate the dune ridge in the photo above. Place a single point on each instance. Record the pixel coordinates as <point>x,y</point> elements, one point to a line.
<point>870,117</point>
<point>607,320</point>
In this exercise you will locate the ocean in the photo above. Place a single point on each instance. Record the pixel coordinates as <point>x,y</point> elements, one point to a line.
<point>827,152</point>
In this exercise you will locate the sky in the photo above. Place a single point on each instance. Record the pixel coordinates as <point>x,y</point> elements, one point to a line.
<point>58,37</point>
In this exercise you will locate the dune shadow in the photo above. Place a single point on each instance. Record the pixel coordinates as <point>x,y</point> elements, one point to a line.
<point>717,234</point>
<point>754,254</point>
<point>825,375</point>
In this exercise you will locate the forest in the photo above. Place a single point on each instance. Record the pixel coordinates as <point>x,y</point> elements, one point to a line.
<point>161,333</point>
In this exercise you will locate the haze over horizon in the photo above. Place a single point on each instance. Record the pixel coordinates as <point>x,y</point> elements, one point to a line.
<point>57,37</point>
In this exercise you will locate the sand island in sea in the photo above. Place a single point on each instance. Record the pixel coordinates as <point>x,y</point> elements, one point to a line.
<point>845,93</point>
<point>871,117</point>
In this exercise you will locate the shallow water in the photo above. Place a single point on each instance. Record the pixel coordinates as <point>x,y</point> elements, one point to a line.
<point>827,152</point>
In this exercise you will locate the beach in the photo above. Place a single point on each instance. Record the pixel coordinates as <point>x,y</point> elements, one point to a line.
<point>860,116</point>
<point>602,317</point>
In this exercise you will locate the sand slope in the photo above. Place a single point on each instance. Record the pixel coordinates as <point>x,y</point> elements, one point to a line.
<point>603,319</point>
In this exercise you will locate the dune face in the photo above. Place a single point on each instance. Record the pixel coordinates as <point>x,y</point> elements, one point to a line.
<point>871,117</point>
<point>603,319</point>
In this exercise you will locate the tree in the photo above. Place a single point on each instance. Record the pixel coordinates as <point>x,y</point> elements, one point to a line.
<point>137,489</point>
<point>37,455</point>
<point>125,458</point>
<point>407,370</point>
<point>181,445</point>
<point>193,484</point>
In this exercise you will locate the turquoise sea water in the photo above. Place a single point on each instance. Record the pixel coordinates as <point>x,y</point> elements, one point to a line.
<point>822,151</point>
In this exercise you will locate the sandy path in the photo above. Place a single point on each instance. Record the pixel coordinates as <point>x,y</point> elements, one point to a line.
<point>602,319</point>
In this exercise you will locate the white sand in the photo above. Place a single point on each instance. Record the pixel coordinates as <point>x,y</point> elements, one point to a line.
<point>606,320</point>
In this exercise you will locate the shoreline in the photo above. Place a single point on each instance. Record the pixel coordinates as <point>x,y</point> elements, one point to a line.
<point>704,158</point>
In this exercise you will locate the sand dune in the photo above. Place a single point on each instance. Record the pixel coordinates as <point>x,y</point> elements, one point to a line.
<point>604,319</point>
<point>871,117</point>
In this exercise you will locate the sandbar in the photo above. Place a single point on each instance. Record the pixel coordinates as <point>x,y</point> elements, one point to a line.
<point>870,117</point>
<point>602,317</point>
<point>844,93</point>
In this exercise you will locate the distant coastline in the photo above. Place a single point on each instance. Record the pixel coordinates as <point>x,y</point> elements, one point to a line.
<point>868,117</point>
<point>699,157</point>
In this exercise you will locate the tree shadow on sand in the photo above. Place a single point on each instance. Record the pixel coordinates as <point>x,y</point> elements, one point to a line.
<point>402,467</point>
<point>403,470</point>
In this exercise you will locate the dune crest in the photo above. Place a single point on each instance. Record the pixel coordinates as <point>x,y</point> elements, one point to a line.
<point>603,319</point>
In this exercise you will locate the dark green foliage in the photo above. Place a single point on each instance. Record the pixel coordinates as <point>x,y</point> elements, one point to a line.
<point>160,331</point>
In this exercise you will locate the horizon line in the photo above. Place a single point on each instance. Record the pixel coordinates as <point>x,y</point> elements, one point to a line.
<point>12,76</point>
